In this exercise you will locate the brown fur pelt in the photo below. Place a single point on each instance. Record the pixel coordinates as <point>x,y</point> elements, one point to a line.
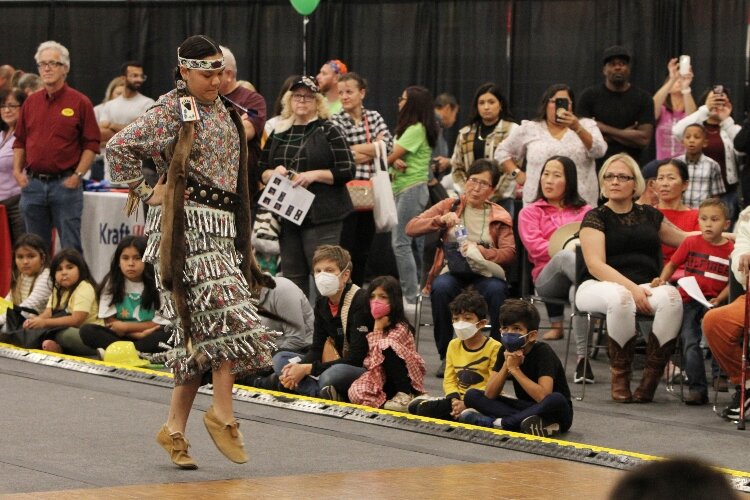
<point>173,246</point>
<point>243,216</point>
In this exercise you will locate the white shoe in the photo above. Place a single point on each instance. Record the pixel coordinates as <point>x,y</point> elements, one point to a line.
<point>399,402</point>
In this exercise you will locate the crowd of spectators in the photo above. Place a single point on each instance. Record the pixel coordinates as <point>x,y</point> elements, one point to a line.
<point>576,161</point>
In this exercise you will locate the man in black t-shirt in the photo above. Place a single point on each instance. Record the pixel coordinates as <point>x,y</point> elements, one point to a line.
<point>542,406</point>
<point>623,112</point>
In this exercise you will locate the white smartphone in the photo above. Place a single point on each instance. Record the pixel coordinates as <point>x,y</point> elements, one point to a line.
<point>684,65</point>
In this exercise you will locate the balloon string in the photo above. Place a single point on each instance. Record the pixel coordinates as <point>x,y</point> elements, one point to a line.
<point>305,20</point>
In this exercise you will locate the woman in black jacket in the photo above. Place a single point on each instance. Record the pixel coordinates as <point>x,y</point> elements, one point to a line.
<point>314,154</point>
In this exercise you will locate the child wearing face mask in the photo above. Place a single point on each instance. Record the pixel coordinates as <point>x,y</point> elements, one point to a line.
<point>543,406</point>
<point>395,370</point>
<point>342,321</point>
<point>468,361</point>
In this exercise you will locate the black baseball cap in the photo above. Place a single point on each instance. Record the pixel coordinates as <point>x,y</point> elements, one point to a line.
<point>615,51</point>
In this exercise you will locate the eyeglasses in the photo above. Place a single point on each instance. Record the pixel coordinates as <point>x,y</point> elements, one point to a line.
<point>9,106</point>
<point>303,97</point>
<point>478,183</point>
<point>49,64</point>
<point>619,177</point>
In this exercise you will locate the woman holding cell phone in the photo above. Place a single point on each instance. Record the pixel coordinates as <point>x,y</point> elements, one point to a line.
<point>554,131</point>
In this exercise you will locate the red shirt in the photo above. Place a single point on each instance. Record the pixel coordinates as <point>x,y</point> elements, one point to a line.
<point>55,130</point>
<point>687,220</point>
<point>708,263</point>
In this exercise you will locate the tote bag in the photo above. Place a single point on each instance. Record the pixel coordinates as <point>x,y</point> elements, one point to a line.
<point>384,210</point>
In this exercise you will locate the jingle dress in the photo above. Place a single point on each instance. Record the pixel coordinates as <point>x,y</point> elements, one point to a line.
<point>222,308</point>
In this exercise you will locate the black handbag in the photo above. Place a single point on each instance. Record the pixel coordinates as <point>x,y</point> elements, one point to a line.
<point>32,338</point>
<point>457,263</point>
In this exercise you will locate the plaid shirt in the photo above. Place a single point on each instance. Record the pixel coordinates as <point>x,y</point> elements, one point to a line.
<point>357,134</point>
<point>368,388</point>
<point>463,155</point>
<point>705,180</point>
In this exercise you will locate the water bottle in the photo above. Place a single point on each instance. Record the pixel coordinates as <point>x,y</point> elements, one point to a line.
<point>461,235</point>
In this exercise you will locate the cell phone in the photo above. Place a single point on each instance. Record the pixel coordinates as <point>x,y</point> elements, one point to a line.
<point>718,89</point>
<point>561,104</point>
<point>684,65</point>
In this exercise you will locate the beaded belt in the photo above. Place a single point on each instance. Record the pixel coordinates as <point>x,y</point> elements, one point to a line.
<point>211,196</point>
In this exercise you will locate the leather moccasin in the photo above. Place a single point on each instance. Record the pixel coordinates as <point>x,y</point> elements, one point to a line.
<point>177,446</point>
<point>226,436</point>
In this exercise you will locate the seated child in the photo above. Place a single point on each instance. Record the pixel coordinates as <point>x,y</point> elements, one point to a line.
<point>706,257</point>
<point>704,173</point>
<point>128,299</point>
<point>30,285</point>
<point>395,370</point>
<point>339,346</point>
<point>543,406</point>
<point>468,361</point>
<point>72,304</point>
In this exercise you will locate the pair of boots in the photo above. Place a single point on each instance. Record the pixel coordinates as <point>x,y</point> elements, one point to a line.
<point>621,366</point>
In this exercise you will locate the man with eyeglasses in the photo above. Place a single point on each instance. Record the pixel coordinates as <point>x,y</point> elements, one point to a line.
<point>123,110</point>
<point>57,138</point>
<point>120,112</point>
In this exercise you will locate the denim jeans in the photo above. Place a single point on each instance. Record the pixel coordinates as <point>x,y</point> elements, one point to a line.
<point>557,281</point>
<point>48,204</point>
<point>409,203</point>
<point>553,409</point>
<point>446,287</point>
<point>341,376</point>
<point>691,333</point>
<point>298,244</point>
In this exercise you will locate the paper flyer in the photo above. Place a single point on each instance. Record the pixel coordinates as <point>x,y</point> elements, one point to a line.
<point>690,285</point>
<point>281,198</point>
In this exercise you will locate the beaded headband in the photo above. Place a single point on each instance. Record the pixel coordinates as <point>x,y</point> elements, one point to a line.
<point>204,64</point>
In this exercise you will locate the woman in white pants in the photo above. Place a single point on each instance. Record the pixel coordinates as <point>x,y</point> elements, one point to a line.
<point>620,242</point>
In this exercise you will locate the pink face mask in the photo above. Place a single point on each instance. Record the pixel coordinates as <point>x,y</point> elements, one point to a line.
<point>379,309</point>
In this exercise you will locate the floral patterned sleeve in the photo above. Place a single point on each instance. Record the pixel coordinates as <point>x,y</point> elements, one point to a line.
<point>147,137</point>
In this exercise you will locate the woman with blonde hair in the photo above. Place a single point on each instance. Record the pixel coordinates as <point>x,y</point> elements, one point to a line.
<point>620,242</point>
<point>314,154</point>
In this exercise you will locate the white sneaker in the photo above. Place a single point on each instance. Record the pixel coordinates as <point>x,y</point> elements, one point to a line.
<point>410,310</point>
<point>399,402</point>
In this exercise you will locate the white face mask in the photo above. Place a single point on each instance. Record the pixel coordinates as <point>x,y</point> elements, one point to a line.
<point>464,330</point>
<point>327,283</point>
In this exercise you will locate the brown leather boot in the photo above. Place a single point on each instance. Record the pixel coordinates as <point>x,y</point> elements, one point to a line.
<point>621,361</point>
<point>656,359</point>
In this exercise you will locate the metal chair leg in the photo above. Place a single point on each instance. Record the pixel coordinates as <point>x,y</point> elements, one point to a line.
<point>586,359</point>
<point>417,320</point>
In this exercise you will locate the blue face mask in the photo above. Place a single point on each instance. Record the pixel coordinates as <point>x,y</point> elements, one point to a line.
<point>513,341</point>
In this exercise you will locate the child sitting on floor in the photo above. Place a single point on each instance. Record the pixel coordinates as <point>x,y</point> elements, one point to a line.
<point>543,406</point>
<point>128,299</point>
<point>30,285</point>
<point>395,370</point>
<point>706,257</point>
<point>72,304</point>
<point>468,361</point>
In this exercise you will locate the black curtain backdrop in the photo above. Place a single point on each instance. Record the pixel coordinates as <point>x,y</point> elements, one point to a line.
<point>446,45</point>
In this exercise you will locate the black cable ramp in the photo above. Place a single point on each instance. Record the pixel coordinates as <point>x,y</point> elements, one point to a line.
<point>547,447</point>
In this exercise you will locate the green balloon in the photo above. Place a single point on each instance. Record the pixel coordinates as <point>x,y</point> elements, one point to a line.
<point>305,7</point>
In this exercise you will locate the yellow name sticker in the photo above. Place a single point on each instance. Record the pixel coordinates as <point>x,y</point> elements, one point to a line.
<point>67,112</point>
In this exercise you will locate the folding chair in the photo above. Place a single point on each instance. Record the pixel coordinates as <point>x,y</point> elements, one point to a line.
<point>601,318</point>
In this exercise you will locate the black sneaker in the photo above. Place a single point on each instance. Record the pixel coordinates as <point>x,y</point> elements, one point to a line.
<point>534,425</point>
<point>732,412</point>
<point>329,392</point>
<point>579,377</point>
<point>441,369</point>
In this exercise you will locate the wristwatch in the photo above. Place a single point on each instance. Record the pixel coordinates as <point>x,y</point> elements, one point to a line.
<point>515,173</point>
<point>80,174</point>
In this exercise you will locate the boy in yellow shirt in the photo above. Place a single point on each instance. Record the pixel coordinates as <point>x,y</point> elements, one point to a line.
<point>468,361</point>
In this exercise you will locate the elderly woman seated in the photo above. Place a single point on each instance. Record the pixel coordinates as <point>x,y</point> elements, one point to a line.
<point>477,239</point>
